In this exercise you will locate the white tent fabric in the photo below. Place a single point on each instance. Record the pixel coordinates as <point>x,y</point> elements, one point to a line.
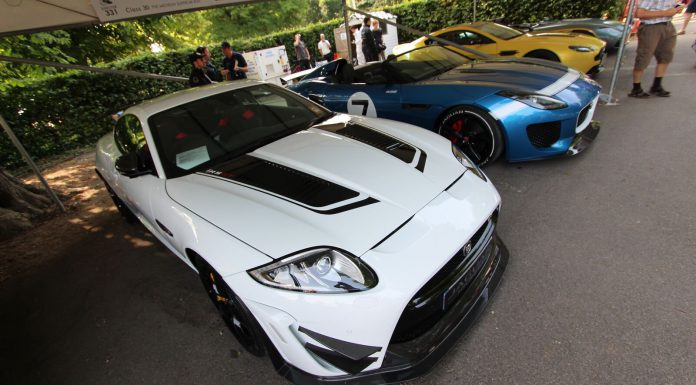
<point>24,16</point>
<point>17,16</point>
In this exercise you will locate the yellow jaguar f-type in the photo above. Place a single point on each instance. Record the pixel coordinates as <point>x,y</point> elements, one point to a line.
<point>582,52</point>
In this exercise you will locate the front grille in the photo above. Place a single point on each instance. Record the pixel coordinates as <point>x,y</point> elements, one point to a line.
<point>433,300</point>
<point>583,114</point>
<point>543,135</point>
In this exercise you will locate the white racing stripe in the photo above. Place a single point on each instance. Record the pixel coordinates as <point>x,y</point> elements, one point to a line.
<point>561,84</point>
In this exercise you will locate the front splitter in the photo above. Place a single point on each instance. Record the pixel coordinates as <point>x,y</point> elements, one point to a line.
<point>584,139</point>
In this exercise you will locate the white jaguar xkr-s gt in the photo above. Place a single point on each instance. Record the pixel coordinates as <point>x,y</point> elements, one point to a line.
<point>347,248</point>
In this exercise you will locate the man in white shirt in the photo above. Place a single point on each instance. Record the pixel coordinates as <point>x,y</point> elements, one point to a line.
<point>325,48</point>
<point>656,37</point>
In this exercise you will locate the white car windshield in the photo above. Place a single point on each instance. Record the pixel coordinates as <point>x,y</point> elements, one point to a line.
<point>216,128</point>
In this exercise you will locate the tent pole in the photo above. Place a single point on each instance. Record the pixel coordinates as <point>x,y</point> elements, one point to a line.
<point>136,74</point>
<point>474,10</point>
<point>30,162</point>
<point>347,28</point>
<point>608,99</point>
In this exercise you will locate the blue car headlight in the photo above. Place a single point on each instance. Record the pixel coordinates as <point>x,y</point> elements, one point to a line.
<point>542,102</point>
<point>321,270</point>
<point>467,163</point>
<point>581,48</point>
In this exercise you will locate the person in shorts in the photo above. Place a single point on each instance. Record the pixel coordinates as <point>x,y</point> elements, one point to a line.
<point>656,37</point>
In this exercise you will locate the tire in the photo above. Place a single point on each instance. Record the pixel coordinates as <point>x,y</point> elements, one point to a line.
<point>474,132</point>
<point>237,317</point>
<point>543,54</point>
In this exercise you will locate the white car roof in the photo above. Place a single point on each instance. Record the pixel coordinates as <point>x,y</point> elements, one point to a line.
<point>161,103</point>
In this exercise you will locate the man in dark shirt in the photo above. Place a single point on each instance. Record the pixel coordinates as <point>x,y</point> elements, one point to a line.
<point>301,52</point>
<point>198,74</point>
<point>369,47</point>
<point>234,66</point>
<point>210,69</point>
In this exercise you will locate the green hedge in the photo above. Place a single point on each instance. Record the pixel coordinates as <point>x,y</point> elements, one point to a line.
<point>71,110</point>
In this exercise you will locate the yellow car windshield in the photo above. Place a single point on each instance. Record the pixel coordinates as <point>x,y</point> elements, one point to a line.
<point>499,31</point>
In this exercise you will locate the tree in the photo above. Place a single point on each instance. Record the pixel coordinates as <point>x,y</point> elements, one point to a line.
<point>249,20</point>
<point>20,205</point>
<point>99,44</point>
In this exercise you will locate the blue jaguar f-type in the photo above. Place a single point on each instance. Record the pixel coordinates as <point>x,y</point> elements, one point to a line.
<point>527,108</point>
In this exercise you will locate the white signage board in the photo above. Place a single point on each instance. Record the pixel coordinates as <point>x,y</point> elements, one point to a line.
<point>114,10</point>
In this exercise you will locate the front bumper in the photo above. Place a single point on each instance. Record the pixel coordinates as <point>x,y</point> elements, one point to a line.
<point>584,139</point>
<point>410,359</point>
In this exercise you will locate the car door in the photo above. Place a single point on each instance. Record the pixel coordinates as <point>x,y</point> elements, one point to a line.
<point>372,92</point>
<point>138,192</point>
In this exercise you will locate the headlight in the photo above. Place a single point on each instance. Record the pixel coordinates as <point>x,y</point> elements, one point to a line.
<point>541,102</point>
<point>581,48</point>
<point>322,270</point>
<point>466,162</point>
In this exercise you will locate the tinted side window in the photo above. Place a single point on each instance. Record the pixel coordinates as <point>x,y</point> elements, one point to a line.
<point>454,36</point>
<point>129,134</point>
<point>475,38</point>
<point>466,38</point>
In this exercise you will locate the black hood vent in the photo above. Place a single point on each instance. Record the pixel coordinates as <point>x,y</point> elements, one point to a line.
<point>378,140</point>
<point>282,181</point>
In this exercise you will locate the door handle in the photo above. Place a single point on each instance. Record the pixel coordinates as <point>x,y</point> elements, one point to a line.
<point>164,228</point>
<point>317,98</point>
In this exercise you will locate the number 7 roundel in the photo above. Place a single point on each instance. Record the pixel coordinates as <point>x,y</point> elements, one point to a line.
<point>360,103</point>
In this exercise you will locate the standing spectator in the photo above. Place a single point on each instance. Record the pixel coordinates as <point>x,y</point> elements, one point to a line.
<point>369,48</point>
<point>656,37</point>
<point>301,52</point>
<point>359,57</point>
<point>198,75</point>
<point>690,9</point>
<point>325,48</point>
<point>210,69</point>
<point>234,66</point>
<point>379,43</point>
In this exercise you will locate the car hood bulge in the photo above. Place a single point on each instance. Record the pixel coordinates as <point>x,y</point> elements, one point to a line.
<point>526,74</point>
<point>319,187</point>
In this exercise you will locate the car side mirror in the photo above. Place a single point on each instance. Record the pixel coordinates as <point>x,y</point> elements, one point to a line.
<point>130,165</point>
